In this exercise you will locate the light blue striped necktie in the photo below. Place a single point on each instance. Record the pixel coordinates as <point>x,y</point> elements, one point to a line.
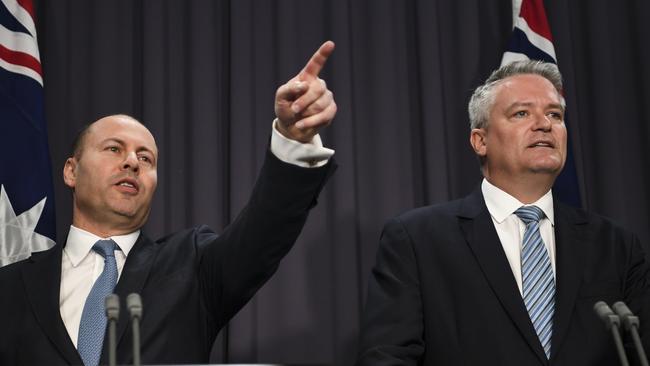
<point>538,282</point>
<point>93,318</point>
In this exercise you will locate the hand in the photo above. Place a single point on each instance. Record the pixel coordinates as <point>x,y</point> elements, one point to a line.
<point>304,105</point>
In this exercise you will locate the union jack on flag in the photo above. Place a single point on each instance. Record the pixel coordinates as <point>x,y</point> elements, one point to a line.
<point>26,194</point>
<point>531,40</point>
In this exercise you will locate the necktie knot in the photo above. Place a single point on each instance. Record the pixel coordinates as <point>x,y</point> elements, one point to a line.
<point>529,214</point>
<point>105,248</point>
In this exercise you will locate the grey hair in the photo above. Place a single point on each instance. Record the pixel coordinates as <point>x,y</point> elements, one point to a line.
<point>483,97</point>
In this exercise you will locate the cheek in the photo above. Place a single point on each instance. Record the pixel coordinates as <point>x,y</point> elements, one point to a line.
<point>510,142</point>
<point>561,137</point>
<point>152,182</point>
<point>83,180</point>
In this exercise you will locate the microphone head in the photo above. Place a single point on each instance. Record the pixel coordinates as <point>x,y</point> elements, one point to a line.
<point>602,309</point>
<point>112,305</point>
<point>629,319</point>
<point>621,309</point>
<point>606,314</point>
<point>134,304</point>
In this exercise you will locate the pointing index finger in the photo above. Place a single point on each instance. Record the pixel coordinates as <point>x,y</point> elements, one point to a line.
<point>317,62</point>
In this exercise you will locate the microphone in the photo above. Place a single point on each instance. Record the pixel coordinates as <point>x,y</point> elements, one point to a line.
<point>134,305</point>
<point>112,305</point>
<point>631,323</point>
<point>612,322</point>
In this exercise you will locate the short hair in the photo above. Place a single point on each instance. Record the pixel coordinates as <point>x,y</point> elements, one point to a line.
<point>482,99</point>
<point>77,143</point>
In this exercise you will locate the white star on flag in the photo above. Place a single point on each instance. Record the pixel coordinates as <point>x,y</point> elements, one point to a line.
<point>17,237</point>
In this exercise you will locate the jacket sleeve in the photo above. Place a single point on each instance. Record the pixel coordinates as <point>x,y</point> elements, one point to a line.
<point>637,295</point>
<point>234,265</point>
<point>392,325</point>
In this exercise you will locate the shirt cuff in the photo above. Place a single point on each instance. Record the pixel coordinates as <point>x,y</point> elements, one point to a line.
<point>311,154</point>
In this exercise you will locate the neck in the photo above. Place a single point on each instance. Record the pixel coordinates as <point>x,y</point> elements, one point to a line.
<point>525,189</point>
<point>97,228</point>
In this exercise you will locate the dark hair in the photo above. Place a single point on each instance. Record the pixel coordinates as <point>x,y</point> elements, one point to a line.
<point>78,142</point>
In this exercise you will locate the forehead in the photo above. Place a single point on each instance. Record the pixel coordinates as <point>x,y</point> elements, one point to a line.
<point>122,129</point>
<point>529,88</point>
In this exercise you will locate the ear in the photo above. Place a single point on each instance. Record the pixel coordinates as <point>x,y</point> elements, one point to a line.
<point>70,172</point>
<point>478,140</point>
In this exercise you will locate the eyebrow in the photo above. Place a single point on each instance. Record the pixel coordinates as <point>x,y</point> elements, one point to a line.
<point>529,104</point>
<point>122,143</point>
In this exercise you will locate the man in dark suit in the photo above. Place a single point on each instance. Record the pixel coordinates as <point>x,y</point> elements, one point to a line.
<point>191,282</point>
<point>507,275</point>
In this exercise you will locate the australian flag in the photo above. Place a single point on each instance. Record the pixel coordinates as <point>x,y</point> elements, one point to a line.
<point>26,193</point>
<point>531,39</point>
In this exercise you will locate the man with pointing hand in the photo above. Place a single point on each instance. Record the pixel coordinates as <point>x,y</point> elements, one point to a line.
<point>192,281</point>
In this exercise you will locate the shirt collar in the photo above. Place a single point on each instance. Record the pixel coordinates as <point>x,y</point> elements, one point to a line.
<point>80,242</point>
<point>501,205</point>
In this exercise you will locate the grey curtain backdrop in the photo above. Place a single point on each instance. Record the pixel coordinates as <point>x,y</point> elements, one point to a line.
<point>202,75</point>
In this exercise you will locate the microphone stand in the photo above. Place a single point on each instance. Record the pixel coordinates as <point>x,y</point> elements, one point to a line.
<point>112,305</point>
<point>612,322</point>
<point>134,305</point>
<point>631,323</point>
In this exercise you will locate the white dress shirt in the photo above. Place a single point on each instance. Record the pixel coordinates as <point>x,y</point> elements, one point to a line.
<point>511,229</point>
<point>81,266</point>
<point>306,155</point>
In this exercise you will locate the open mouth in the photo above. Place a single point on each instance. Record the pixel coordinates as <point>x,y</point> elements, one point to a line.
<point>128,185</point>
<point>548,144</point>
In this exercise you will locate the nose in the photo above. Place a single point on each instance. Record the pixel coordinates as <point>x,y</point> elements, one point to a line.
<point>130,162</point>
<point>542,122</point>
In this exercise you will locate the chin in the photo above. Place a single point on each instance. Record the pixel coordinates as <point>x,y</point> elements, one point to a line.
<point>550,164</point>
<point>547,169</point>
<point>126,211</point>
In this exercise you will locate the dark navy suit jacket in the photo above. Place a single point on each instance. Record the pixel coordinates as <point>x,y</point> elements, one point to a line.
<point>191,282</point>
<point>442,291</point>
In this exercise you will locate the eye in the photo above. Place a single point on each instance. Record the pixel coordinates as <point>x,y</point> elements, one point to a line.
<point>113,149</point>
<point>145,159</point>
<point>558,116</point>
<point>520,114</point>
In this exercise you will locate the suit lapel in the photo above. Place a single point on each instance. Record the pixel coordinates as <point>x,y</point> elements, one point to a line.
<point>570,238</point>
<point>478,228</point>
<point>134,274</point>
<point>42,279</point>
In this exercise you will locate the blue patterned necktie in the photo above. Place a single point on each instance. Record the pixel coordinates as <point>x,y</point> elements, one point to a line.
<point>538,282</point>
<point>93,318</point>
